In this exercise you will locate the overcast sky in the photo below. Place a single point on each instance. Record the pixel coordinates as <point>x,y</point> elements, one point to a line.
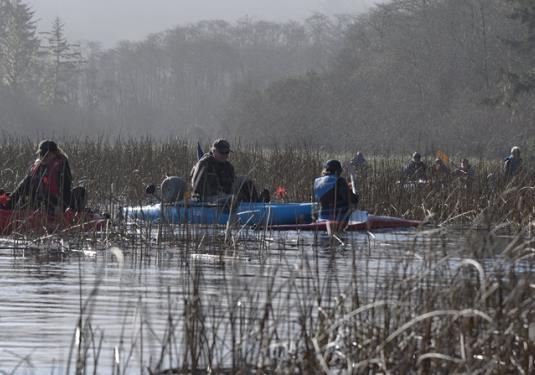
<point>109,21</point>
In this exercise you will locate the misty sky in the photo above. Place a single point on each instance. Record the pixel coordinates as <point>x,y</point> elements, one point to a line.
<point>109,21</point>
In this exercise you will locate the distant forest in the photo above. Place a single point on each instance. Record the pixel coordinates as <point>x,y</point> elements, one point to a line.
<point>406,75</point>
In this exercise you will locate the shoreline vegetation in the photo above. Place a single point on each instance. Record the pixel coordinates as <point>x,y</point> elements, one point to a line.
<point>423,310</point>
<point>116,174</point>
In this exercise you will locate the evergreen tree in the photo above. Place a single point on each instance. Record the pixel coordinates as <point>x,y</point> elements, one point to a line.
<point>521,75</point>
<point>63,61</point>
<point>18,43</point>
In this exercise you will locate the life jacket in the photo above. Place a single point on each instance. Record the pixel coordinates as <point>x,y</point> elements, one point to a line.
<point>45,184</point>
<point>512,165</point>
<point>210,177</point>
<point>332,197</point>
<point>323,185</point>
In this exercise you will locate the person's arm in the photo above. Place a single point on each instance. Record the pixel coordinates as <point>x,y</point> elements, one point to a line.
<point>198,177</point>
<point>66,183</point>
<point>507,166</point>
<point>350,198</point>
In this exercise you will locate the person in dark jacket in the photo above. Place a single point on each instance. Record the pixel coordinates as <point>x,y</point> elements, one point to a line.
<point>333,194</point>
<point>416,169</point>
<point>212,177</point>
<point>49,182</point>
<point>512,163</point>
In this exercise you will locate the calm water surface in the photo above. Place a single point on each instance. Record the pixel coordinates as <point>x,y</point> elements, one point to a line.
<point>129,296</point>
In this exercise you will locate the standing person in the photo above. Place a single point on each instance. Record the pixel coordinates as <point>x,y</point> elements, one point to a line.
<point>331,191</point>
<point>212,177</point>
<point>416,169</point>
<point>48,183</point>
<point>512,163</point>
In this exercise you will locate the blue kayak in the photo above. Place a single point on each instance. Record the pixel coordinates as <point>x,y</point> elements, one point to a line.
<point>247,213</point>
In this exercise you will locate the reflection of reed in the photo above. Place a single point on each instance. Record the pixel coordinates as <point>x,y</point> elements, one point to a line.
<point>422,302</point>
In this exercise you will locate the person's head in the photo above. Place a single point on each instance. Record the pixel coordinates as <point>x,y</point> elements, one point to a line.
<point>332,167</point>
<point>416,156</point>
<point>438,162</point>
<point>47,147</point>
<point>515,151</point>
<point>465,163</point>
<point>221,149</point>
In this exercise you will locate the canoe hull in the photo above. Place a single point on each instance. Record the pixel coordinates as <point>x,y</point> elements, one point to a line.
<point>279,216</point>
<point>36,222</point>
<point>247,213</point>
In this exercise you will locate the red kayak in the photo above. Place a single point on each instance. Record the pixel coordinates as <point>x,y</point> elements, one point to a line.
<point>36,222</point>
<point>369,222</point>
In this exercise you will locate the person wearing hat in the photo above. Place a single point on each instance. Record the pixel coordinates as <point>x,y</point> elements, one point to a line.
<point>416,169</point>
<point>331,191</point>
<point>48,183</point>
<point>513,163</point>
<point>212,177</point>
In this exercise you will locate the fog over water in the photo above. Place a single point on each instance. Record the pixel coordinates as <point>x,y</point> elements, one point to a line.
<point>109,21</point>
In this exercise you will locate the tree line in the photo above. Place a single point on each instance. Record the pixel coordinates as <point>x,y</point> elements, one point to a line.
<point>177,82</point>
<point>411,75</point>
<point>407,74</point>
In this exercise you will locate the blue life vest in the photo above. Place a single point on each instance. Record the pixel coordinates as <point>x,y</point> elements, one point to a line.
<point>513,164</point>
<point>336,210</point>
<point>324,184</point>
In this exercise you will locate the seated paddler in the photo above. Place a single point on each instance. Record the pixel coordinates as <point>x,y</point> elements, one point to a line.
<point>212,177</point>
<point>332,192</point>
<point>48,183</point>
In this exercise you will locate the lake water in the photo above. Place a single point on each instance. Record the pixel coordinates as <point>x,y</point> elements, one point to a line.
<point>126,297</point>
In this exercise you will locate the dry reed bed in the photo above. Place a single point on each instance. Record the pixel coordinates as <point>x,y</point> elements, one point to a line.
<point>116,173</point>
<point>421,308</point>
<point>432,312</point>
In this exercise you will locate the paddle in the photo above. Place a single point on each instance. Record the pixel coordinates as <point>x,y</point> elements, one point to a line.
<point>443,156</point>
<point>353,178</point>
<point>200,152</point>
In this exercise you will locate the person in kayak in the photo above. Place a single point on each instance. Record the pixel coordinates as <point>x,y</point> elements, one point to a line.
<point>359,161</point>
<point>212,177</point>
<point>465,171</point>
<point>48,183</point>
<point>331,191</point>
<point>440,174</point>
<point>513,163</point>
<point>415,170</point>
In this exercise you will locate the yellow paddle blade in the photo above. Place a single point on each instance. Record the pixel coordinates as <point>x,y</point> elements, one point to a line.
<point>443,156</point>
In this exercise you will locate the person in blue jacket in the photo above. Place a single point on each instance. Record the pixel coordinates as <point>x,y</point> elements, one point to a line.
<point>331,191</point>
<point>513,163</point>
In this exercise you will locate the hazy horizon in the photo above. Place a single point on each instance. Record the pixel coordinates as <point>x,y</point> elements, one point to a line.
<point>110,21</point>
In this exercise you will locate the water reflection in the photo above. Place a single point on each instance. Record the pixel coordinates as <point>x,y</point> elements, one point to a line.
<point>43,298</point>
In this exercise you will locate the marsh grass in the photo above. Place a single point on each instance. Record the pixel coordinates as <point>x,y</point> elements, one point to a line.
<point>311,307</point>
<point>423,307</point>
<point>116,174</point>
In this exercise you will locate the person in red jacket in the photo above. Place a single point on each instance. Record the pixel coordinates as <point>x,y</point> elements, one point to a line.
<point>49,182</point>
